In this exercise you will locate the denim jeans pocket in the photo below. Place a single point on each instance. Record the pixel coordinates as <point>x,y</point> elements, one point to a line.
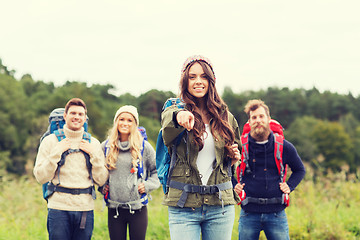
<point>280,215</point>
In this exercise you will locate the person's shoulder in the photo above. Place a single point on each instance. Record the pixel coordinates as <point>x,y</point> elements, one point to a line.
<point>147,145</point>
<point>149,151</point>
<point>288,145</point>
<point>95,140</point>
<point>167,113</point>
<point>232,119</point>
<point>106,141</point>
<point>172,108</point>
<point>51,138</point>
<point>230,114</point>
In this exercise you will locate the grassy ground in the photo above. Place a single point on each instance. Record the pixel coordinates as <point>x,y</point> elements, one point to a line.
<point>326,209</point>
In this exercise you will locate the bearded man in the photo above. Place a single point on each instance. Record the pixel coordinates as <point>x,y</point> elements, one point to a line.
<point>262,210</point>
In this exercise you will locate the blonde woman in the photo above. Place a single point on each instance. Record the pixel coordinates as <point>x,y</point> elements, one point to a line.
<point>126,152</point>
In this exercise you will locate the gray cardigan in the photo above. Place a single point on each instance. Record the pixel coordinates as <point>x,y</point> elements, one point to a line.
<point>123,185</point>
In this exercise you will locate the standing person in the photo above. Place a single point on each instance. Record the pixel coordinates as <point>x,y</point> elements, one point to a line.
<point>263,207</point>
<point>201,198</point>
<point>126,152</point>
<point>70,207</point>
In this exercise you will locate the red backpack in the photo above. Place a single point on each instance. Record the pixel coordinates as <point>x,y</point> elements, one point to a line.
<point>277,129</point>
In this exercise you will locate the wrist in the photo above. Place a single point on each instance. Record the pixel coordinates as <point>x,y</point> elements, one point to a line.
<point>175,114</point>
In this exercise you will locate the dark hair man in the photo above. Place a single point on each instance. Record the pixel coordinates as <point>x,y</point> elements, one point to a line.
<point>70,207</point>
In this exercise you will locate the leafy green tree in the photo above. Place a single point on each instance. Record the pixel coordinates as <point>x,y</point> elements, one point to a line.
<point>350,124</point>
<point>128,99</point>
<point>14,127</point>
<point>356,166</point>
<point>334,144</point>
<point>151,103</point>
<point>4,70</point>
<point>5,161</point>
<point>339,105</point>
<point>236,104</point>
<point>300,135</point>
<point>352,128</point>
<point>152,127</point>
<point>316,104</point>
<point>37,92</point>
<point>285,105</point>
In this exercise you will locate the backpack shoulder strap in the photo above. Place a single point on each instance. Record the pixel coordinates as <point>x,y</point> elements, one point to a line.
<point>141,163</point>
<point>244,156</point>
<point>107,148</point>
<point>173,154</point>
<point>60,135</point>
<point>173,101</point>
<point>245,146</point>
<point>87,136</point>
<point>88,163</point>
<point>144,198</point>
<point>278,151</point>
<point>143,147</point>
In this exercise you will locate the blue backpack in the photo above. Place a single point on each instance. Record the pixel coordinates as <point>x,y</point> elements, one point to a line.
<point>140,169</point>
<point>164,162</point>
<point>56,124</point>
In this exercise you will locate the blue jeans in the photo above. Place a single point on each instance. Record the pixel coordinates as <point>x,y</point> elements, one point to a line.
<point>65,225</point>
<point>274,225</point>
<point>188,223</point>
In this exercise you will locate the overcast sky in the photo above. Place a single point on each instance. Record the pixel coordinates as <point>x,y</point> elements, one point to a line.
<point>141,45</point>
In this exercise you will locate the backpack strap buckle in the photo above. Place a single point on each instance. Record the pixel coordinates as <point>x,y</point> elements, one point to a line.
<point>262,200</point>
<point>204,189</point>
<point>76,191</point>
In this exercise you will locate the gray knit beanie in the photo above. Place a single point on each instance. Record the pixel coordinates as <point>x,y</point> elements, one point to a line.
<point>129,109</point>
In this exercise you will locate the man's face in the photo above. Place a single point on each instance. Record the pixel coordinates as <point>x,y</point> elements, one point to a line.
<point>75,117</point>
<point>259,123</point>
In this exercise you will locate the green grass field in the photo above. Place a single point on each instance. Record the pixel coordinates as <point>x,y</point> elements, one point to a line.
<point>327,209</point>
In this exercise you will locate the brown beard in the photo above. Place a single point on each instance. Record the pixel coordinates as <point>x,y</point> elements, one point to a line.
<point>260,133</point>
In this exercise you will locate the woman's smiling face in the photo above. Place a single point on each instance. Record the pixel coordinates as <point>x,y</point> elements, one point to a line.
<point>125,123</point>
<point>198,83</point>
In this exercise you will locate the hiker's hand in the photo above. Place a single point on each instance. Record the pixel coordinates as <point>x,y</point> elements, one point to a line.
<point>236,151</point>
<point>239,187</point>
<point>141,188</point>
<point>185,119</point>
<point>105,189</point>
<point>85,146</point>
<point>284,187</point>
<point>64,144</point>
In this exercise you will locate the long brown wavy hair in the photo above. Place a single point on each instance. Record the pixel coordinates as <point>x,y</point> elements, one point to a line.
<point>216,107</point>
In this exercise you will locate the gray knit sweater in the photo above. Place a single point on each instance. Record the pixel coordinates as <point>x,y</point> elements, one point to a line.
<point>123,185</point>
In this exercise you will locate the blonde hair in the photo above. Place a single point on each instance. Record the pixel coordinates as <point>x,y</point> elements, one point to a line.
<point>135,140</point>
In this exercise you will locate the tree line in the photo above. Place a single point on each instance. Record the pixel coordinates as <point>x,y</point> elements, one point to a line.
<point>324,126</point>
